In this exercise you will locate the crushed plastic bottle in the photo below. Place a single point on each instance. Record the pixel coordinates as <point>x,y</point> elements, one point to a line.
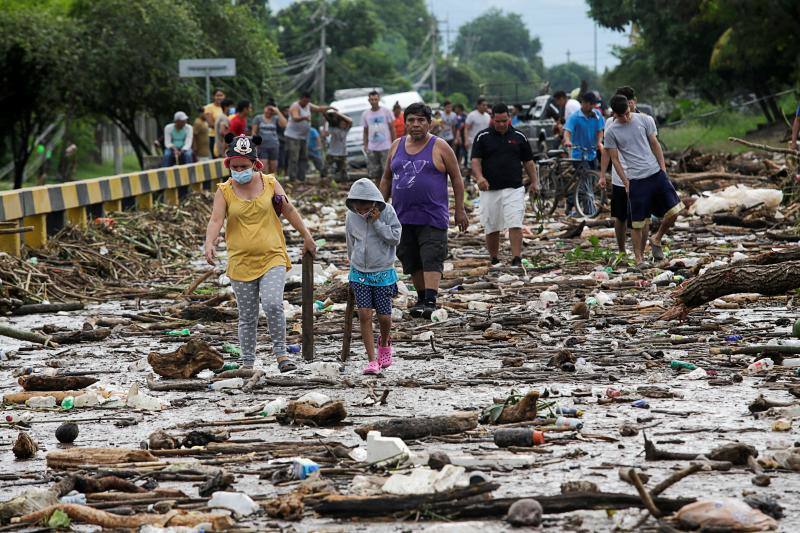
<point>641,404</point>
<point>274,407</point>
<point>88,399</point>
<point>791,363</point>
<point>41,402</point>
<point>762,365</point>
<point>232,383</point>
<point>569,411</point>
<point>294,348</point>
<point>179,332</point>
<point>733,338</point>
<point>682,364</point>
<point>591,301</point>
<point>440,315</point>
<point>231,349</point>
<point>568,423</point>
<point>600,275</point>
<point>320,243</point>
<point>67,403</point>
<point>18,418</point>
<point>74,497</point>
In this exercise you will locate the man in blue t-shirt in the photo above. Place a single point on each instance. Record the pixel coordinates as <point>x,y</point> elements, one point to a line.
<point>795,128</point>
<point>583,133</point>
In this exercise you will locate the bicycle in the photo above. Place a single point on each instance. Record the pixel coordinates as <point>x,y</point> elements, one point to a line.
<point>560,178</point>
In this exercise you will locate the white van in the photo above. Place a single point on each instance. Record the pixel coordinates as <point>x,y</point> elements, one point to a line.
<point>355,108</point>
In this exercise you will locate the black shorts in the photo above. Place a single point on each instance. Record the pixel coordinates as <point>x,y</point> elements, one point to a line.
<point>422,247</point>
<point>619,203</point>
<point>654,195</point>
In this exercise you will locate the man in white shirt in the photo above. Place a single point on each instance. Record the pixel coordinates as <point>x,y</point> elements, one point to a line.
<point>178,141</point>
<point>379,134</point>
<point>477,120</point>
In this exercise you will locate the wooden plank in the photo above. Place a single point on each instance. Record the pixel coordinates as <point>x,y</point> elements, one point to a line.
<point>348,324</point>
<point>308,307</point>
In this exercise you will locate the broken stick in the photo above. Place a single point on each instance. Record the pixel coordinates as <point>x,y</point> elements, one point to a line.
<point>308,307</point>
<point>348,324</point>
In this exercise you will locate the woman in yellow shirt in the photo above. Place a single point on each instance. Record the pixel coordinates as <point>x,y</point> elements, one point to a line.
<point>257,257</point>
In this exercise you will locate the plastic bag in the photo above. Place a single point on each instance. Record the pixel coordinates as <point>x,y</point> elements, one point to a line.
<point>736,196</point>
<point>724,513</point>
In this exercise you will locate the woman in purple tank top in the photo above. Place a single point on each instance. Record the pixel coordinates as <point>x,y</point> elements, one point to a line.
<point>416,180</point>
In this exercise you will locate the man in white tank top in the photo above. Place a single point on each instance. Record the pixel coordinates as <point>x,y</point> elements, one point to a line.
<point>296,135</point>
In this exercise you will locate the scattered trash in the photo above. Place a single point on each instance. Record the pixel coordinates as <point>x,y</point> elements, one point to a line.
<point>724,513</point>
<point>238,502</point>
<point>380,449</point>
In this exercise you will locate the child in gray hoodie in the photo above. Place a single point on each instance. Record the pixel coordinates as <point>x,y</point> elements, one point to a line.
<point>373,233</point>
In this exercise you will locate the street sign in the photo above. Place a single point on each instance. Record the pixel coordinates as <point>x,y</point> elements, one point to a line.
<point>206,68</point>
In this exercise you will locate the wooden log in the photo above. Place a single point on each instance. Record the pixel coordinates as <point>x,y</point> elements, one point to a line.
<point>176,384</point>
<point>191,288</point>
<point>39,382</point>
<point>417,428</point>
<point>682,179</point>
<point>769,280</point>
<point>327,415</point>
<point>463,504</point>
<point>187,361</point>
<point>764,147</point>
<point>348,324</point>
<point>22,397</point>
<point>24,335</point>
<point>733,220</point>
<point>32,309</point>
<point>772,257</point>
<point>82,335</point>
<point>87,515</point>
<point>74,457</point>
<point>308,307</point>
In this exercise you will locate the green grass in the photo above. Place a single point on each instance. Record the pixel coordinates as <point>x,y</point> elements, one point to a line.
<point>711,135</point>
<point>84,171</point>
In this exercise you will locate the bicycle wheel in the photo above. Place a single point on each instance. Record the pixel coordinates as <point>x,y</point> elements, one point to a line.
<point>543,201</point>
<point>587,195</point>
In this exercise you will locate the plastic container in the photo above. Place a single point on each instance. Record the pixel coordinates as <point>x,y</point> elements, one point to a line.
<point>383,448</point>
<point>682,364</point>
<point>73,497</point>
<point>526,437</point>
<point>179,332</point>
<point>762,365</point>
<point>302,468</point>
<point>641,404</point>
<point>18,418</point>
<point>294,348</point>
<point>440,315</point>
<point>67,403</point>
<point>568,423</point>
<point>41,402</point>
<point>568,411</point>
<point>232,383</point>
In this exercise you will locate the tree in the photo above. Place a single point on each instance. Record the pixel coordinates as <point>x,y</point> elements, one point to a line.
<point>130,53</point>
<point>455,76</point>
<point>495,31</point>
<point>38,60</point>
<point>568,76</point>
<point>365,67</point>
<point>504,76</point>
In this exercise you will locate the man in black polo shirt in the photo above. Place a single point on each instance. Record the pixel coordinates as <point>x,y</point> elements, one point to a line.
<point>498,155</point>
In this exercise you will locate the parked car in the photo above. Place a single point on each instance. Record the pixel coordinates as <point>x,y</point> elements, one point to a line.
<point>354,107</point>
<point>537,126</point>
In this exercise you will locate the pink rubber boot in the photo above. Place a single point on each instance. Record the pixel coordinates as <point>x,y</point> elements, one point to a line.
<point>385,353</point>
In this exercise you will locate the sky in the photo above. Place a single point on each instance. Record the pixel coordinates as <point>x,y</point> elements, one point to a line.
<point>561,25</point>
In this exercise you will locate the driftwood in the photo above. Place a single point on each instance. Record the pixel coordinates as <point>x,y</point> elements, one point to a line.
<point>187,361</point>
<point>683,179</point>
<point>38,382</point>
<point>307,319</point>
<point>734,220</point>
<point>74,457</point>
<point>525,409</point>
<point>32,309</point>
<point>417,428</point>
<point>769,280</point>
<point>329,414</point>
<point>82,335</point>
<point>177,384</point>
<point>462,503</point>
<point>764,147</point>
<point>24,335</point>
<point>88,515</point>
<point>22,397</point>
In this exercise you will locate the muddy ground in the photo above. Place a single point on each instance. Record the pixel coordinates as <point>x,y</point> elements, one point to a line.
<point>622,341</point>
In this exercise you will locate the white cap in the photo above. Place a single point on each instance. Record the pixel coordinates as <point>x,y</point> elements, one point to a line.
<point>180,115</point>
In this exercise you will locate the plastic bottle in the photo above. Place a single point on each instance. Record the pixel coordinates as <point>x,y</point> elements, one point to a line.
<point>302,468</point>
<point>568,423</point>
<point>762,365</point>
<point>67,403</point>
<point>548,297</point>
<point>792,363</point>
<point>231,349</point>
<point>600,275</point>
<point>294,348</point>
<point>569,411</point>
<point>641,404</point>
<point>232,383</point>
<point>440,315</point>
<point>74,497</point>
<point>275,406</point>
<point>86,400</point>
<point>682,364</point>
<point>526,437</point>
<point>18,418</point>
<point>179,332</point>
<point>41,402</point>
<point>664,277</point>
<point>527,264</point>
<point>320,243</point>
<point>733,338</point>
<point>591,301</point>
<point>226,367</point>
<point>697,373</point>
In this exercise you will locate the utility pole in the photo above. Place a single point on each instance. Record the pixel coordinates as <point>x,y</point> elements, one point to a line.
<point>322,46</point>
<point>567,56</point>
<point>595,48</point>
<point>434,23</point>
